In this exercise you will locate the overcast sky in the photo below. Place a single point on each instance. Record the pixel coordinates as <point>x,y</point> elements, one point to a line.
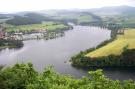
<point>31,5</point>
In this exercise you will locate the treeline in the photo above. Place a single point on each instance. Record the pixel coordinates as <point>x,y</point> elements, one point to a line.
<point>114,29</point>
<point>19,20</point>
<point>126,59</point>
<point>24,76</point>
<point>11,43</point>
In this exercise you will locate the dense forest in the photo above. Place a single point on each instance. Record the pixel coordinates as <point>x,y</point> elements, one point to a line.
<point>29,18</point>
<point>126,59</point>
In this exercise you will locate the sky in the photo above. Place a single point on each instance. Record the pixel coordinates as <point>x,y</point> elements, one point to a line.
<point>9,6</point>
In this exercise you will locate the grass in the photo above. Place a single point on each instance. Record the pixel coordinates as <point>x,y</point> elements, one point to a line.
<point>44,25</point>
<point>80,18</point>
<point>116,47</point>
<point>85,18</point>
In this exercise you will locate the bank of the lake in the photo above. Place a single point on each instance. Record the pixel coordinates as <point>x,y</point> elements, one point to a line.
<point>117,53</point>
<point>7,43</point>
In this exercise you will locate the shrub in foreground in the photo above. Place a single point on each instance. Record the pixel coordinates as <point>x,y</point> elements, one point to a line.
<point>23,76</point>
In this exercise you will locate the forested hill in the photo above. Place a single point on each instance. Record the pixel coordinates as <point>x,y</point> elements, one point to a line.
<point>29,18</point>
<point>122,15</point>
<point>114,10</point>
<point>77,17</point>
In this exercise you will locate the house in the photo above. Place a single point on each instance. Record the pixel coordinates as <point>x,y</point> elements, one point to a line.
<point>2,34</point>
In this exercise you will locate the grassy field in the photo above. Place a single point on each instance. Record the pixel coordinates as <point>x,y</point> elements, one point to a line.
<point>116,47</point>
<point>85,18</point>
<point>44,25</point>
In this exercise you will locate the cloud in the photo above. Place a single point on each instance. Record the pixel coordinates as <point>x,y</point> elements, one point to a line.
<point>26,5</point>
<point>131,2</point>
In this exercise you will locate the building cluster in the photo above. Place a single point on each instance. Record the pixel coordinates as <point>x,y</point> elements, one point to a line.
<point>27,35</point>
<point>2,33</point>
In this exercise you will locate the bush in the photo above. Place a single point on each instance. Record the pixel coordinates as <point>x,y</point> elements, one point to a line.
<point>23,76</point>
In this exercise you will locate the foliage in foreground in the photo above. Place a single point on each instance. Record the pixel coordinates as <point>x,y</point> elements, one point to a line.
<point>23,76</point>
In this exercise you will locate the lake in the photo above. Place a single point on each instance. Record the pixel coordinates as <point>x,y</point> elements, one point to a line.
<point>56,51</point>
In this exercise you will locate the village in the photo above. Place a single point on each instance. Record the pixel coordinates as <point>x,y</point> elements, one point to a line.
<point>29,35</point>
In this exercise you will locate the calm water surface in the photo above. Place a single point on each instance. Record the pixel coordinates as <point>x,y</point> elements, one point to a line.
<point>56,51</point>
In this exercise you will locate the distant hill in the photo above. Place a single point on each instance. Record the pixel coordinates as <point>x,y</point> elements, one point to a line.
<point>74,16</point>
<point>77,17</point>
<point>114,10</point>
<point>28,18</point>
<point>95,16</point>
<point>3,16</point>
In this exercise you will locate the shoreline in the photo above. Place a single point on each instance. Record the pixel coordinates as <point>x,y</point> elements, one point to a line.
<point>3,47</point>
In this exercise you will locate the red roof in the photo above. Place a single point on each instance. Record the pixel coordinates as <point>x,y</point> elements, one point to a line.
<point>2,34</point>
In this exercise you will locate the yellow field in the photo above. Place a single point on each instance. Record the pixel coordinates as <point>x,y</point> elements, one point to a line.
<point>116,47</point>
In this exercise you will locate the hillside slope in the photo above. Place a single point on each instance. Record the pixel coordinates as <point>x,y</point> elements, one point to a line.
<point>114,10</point>
<point>116,47</point>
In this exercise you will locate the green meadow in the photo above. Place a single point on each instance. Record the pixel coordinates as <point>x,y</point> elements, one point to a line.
<point>116,47</point>
<point>42,26</point>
